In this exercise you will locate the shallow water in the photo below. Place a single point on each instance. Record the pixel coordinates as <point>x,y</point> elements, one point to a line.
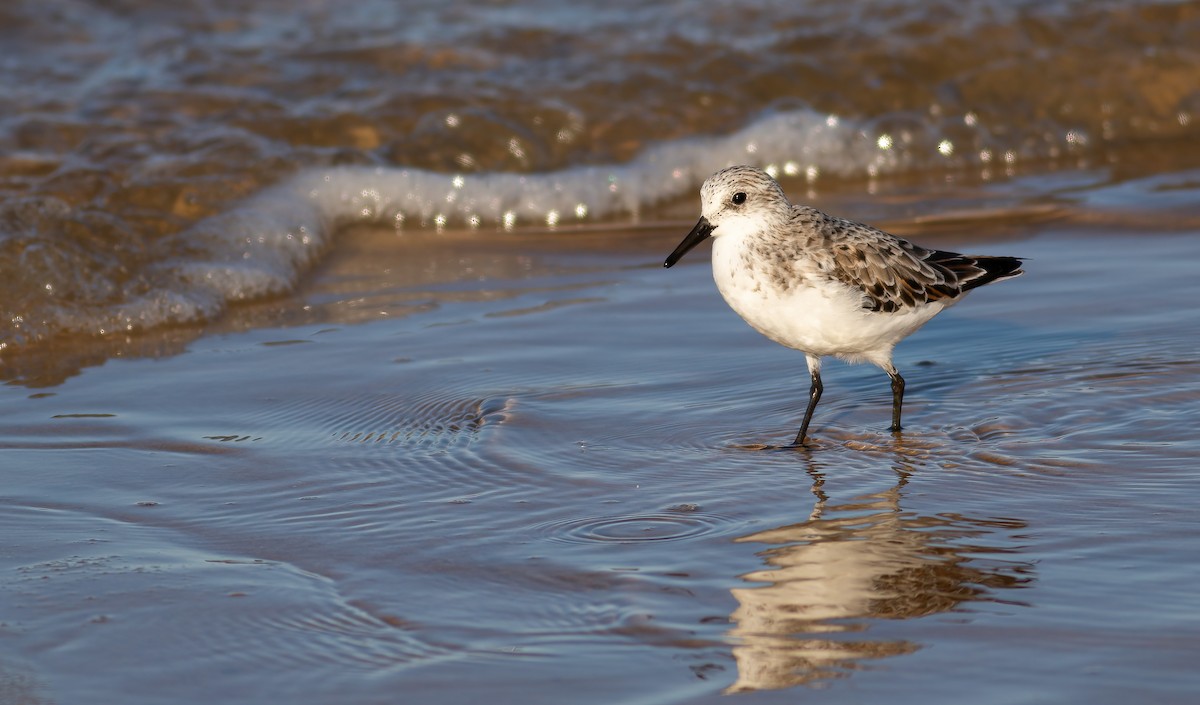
<point>363,463</point>
<point>525,475</point>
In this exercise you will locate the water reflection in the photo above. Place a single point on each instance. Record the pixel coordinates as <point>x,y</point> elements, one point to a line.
<point>853,562</point>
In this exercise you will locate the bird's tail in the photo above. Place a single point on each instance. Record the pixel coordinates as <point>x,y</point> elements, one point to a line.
<point>976,270</point>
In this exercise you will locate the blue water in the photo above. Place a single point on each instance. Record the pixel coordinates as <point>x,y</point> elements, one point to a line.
<point>342,366</point>
<point>536,487</point>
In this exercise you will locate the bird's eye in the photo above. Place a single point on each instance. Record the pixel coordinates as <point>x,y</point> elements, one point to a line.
<point>739,198</point>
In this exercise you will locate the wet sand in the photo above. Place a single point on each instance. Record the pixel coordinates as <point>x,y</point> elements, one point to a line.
<point>515,467</point>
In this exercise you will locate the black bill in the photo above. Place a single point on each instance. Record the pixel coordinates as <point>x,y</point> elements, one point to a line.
<point>698,235</point>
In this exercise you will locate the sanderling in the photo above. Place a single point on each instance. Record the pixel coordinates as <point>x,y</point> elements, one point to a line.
<point>823,285</point>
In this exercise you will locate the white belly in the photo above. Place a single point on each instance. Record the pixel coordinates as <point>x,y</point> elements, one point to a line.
<point>817,315</point>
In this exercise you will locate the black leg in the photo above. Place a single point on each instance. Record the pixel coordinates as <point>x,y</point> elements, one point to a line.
<point>897,399</point>
<point>814,396</point>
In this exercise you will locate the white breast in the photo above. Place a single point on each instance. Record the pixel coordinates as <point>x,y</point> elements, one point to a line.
<point>811,312</point>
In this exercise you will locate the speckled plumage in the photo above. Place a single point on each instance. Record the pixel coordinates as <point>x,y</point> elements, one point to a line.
<point>826,285</point>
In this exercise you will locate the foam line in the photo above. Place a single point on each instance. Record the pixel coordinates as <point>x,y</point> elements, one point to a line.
<point>263,244</point>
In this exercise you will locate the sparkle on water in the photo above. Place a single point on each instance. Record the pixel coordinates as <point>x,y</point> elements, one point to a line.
<point>433,466</point>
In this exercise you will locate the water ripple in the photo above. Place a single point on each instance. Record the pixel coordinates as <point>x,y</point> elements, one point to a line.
<point>676,524</point>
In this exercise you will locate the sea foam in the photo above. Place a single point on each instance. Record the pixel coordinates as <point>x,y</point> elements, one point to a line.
<point>262,245</point>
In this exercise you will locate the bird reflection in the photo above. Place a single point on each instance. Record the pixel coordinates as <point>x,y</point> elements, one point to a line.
<point>850,563</point>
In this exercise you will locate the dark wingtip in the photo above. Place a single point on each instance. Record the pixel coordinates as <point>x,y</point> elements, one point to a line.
<point>973,271</point>
<point>1003,267</point>
<point>995,269</point>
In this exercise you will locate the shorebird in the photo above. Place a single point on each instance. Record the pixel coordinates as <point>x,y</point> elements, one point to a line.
<point>825,285</point>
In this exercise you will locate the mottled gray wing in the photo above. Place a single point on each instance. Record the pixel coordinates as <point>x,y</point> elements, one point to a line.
<point>892,274</point>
